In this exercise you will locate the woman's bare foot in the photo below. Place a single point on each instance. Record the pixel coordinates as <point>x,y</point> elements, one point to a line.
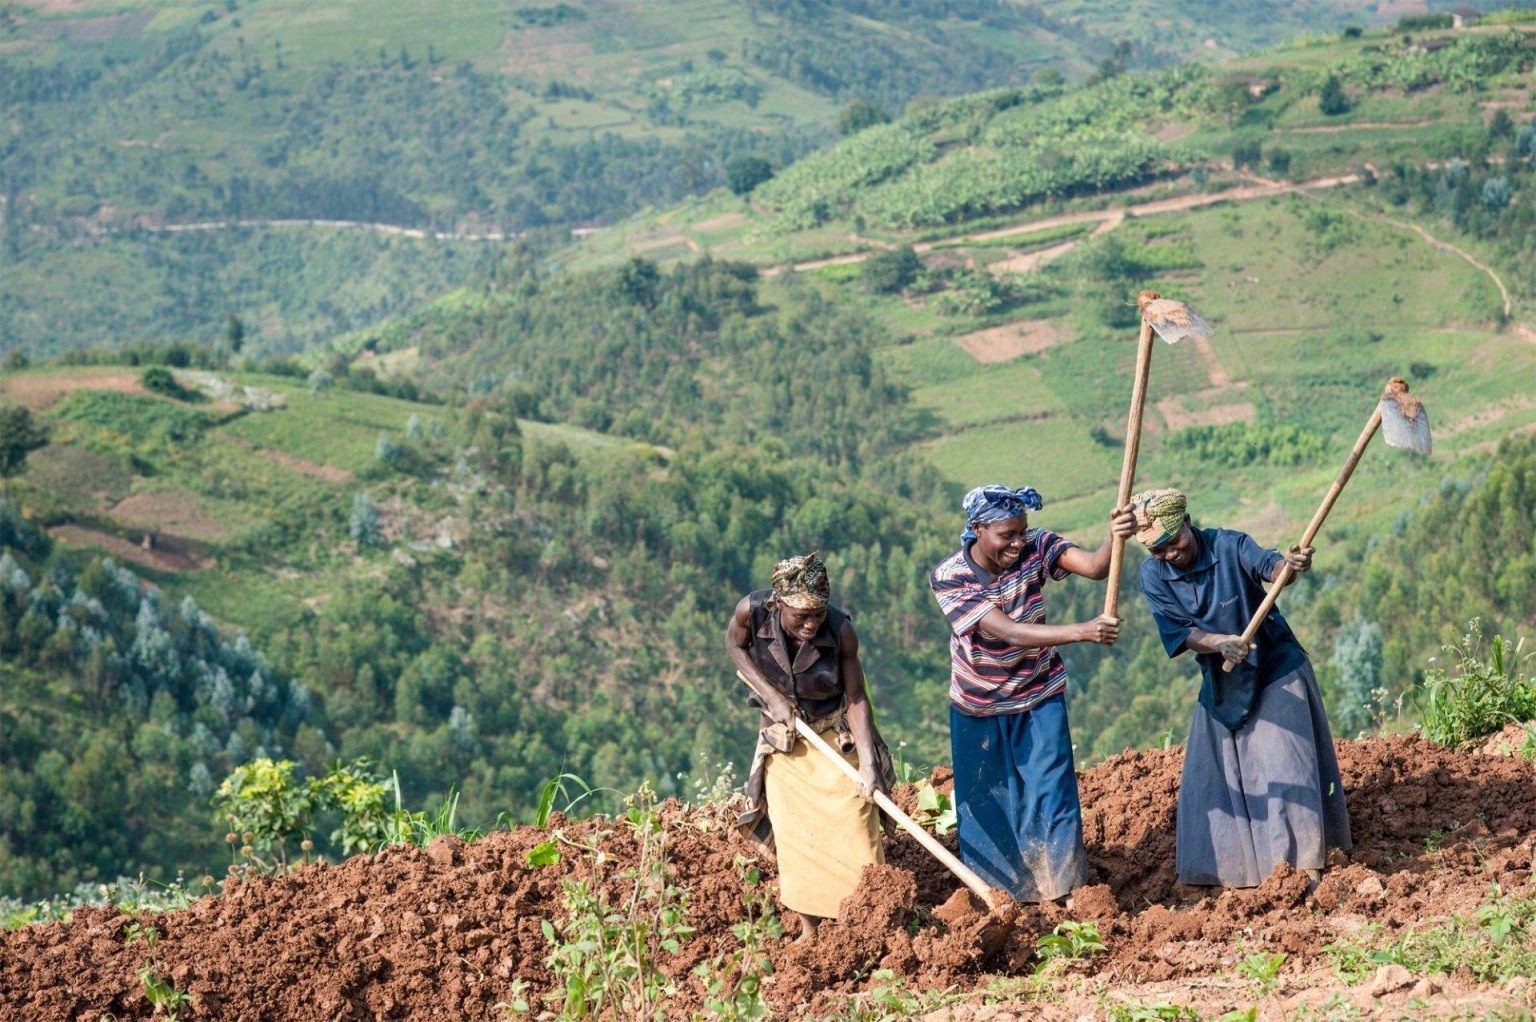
<point>807,928</point>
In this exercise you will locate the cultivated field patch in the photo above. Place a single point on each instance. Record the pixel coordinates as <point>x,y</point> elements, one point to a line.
<point>1004,343</point>
<point>171,512</point>
<point>166,553</point>
<point>41,391</point>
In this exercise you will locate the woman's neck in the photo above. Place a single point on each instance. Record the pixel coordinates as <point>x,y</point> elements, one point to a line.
<point>985,562</point>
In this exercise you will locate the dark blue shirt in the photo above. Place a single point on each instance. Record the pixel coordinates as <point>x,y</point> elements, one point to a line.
<point>1219,594</point>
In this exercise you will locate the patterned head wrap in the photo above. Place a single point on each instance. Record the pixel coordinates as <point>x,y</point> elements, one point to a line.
<point>995,503</point>
<point>1159,515</point>
<point>801,582</point>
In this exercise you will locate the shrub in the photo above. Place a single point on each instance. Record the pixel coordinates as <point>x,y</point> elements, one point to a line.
<point>889,272</point>
<point>160,380</point>
<point>270,811</point>
<point>1482,696</point>
<point>1246,153</point>
<point>1496,193</point>
<point>858,115</point>
<point>363,522</point>
<point>1332,101</point>
<point>744,173</point>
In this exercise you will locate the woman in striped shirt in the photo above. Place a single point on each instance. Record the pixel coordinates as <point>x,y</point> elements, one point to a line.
<point>1015,788</point>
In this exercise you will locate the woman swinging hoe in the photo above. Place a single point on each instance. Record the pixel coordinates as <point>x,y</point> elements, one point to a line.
<point>1260,784</point>
<point>1020,822</point>
<point>800,656</point>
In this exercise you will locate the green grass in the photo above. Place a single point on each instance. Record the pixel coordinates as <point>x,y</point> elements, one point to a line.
<point>1014,389</point>
<point>334,427</point>
<point>1492,946</point>
<point>1313,308</point>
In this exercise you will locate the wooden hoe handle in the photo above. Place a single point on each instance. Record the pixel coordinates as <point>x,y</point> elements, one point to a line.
<point>1283,577</point>
<point>1128,465</point>
<point>967,875</point>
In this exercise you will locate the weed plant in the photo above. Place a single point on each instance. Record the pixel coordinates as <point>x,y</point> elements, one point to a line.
<point>164,998</point>
<point>1486,691</point>
<point>889,1000</point>
<point>605,955</point>
<point>1160,1012</point>
<point>1263,969</point>
<point>1070,940</point>
<point>735,981</point>
<point>132,896</point>
<point>1497,943</point>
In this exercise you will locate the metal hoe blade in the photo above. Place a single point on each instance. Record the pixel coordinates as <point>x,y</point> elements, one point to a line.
<point>1404,422</point>
<point>1171,320</point>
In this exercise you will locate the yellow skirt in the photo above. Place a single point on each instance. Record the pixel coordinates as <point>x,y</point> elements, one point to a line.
<point>823,833</point>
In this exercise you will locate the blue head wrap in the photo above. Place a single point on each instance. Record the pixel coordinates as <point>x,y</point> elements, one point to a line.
<point>996,503</point>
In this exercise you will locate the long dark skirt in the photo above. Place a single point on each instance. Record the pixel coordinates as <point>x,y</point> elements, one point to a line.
<point>1021,827</point>
<point>1262,795</point>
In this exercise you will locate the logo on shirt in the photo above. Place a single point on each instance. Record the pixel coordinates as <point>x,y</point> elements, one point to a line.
<point>1229,600</point>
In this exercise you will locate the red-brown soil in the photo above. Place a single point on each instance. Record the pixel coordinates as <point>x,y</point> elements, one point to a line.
<point>442,932</point>
<point>166,552</point>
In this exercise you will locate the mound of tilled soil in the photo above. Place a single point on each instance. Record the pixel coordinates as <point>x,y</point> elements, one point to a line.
<point>443,932</point>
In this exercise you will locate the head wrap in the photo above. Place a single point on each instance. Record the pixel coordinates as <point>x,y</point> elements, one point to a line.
<point>995,503</point>
<point>801,582</point>
<point>1159,515</point>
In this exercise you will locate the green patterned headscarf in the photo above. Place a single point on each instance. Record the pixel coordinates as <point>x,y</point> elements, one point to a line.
<point>801,582</point>
<point>1159,515</point>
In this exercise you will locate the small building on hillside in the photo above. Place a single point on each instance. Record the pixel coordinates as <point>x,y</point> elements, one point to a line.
<point>1428,45</point>
<point>1465,17</point>
<point>1258,88</point>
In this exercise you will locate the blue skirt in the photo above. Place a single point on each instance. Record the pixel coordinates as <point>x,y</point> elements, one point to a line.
<point>1021,826</point>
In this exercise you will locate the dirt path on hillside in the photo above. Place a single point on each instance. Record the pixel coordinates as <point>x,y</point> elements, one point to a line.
<point>1107,219</point>
<point>393,230</point>
<point>1332,129</point>
<point>1445,246</point>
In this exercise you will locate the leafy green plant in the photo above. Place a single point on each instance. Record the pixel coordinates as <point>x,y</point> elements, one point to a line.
<point>1495,944</point>
<point>1160,1012</point>
<point>935,810</point>
<point>271,812</point>
<point>1070,939</point>
<point>406,827</point>
<point>162,996</point>
<point>556,787</point>
<point>735,981</point>
<point>605,954</point>
<point>135,933</point>
<point>889,1000</point>
<point>519,1003</point>
<point>1263,969</point>
<point>1486,692</point>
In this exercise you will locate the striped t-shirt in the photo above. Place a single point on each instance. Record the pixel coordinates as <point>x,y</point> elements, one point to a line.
<point>988,677</point>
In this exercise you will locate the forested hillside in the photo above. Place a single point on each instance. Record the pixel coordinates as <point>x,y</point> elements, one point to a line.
<point>123,117</point>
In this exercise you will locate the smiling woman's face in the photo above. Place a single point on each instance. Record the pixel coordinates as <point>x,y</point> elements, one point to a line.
<point>1180,550</point>
<point>999,544</point>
